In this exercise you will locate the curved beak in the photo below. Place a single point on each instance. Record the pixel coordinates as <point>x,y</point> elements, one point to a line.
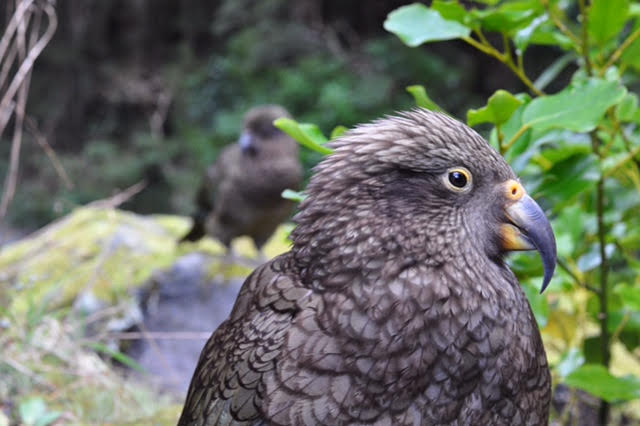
<point>246,143</point>
<point>528,229</point>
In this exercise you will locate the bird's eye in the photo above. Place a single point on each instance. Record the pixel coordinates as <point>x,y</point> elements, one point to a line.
<point>458,179</point>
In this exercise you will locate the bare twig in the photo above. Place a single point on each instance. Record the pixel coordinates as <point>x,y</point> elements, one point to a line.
<point>26,52</point>
<point>120,197</point>
<point>16,144</point>
<point>17,17</point>
<point>42,141</point>
<point>27,65</point>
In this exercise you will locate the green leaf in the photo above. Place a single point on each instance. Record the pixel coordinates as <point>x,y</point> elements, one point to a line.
<point>607,18</point>
<point>627,108</point>
<point>570,229</point>
<point>631,55</point>
<point>450,10</point>
<point>596,380</point>
<point>570,362</point>
<point>592,349</point>
<point>292,195</point>
<point>538,302</point>
<point>32,409</point>
<point>630,296</point>
<point>416,24</point>
<point>337,132</point>
<point>578,108</point>
<point>568,178</point>
<point>34,412</point>
<point>541,32</point>
<point>499,108</point>
<point>592,259</point>
<point>489,2</point>
<point>423,100</point>
<point>308,135</point>
<point>509,17</point>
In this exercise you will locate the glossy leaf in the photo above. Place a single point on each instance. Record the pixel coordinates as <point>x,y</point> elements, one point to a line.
<point>538,302</point>
<point>570,362</point>
<point>509,17</point>
<point>627,108</point>
<point>450,10</point>
<point>592,349</point>
<point>596,380</point>
<point>416,24</point>
<point>569,229</point>
<point>499,108</point>
<point>541,31</point>
<point>338,131</point>
<point>630,296</point>
<point>578,108</point>
<point>592,259</point>
<point>607,18</point>
<point>568,179</point>
<point>423,100</point>
<point>631,55</point>
<point>309,135</point>
<point>297,196</point>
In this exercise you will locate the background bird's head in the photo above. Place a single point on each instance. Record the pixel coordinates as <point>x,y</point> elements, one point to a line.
<point>258,126</point>
<point>421,187</point>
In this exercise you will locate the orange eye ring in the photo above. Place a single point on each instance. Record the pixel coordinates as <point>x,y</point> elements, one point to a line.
<point>514,190</point>
<point>458,179</point>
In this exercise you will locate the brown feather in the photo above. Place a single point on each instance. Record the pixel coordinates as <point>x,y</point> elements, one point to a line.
<point>394,306</point>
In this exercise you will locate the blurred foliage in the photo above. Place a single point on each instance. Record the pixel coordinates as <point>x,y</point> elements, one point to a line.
<point>65,291</point>
<point>316,65</point>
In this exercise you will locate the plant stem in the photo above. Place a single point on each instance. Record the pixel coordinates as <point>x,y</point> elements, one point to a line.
<point>604,312</point>
<point>562,264</point>
<point>605,337</point>
<point>585,37</point>
<point>500,140</point>
<point>616,55</point>
<point>630,156</point>
<point>560,25</point>
<point>515,137</point>
<point>485,47</point>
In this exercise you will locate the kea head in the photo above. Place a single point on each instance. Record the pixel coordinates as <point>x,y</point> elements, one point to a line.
<point>259,128</point>
<point>419,187</point>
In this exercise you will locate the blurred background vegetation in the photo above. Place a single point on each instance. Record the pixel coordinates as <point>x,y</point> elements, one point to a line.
<point>151,89</point>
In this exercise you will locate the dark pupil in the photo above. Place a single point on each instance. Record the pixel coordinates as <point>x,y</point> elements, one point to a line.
<point>457,179</point>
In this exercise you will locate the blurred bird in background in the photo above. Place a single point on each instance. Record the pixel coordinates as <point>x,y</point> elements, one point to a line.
<point>241,192</point>
<point>395,305</point>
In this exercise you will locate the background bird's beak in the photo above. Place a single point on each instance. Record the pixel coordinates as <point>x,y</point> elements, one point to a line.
<point>246,143</point>
<point>528,229</point>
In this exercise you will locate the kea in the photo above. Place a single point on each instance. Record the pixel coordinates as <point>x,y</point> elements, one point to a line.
<point>242,191</point>
<point>394,305</point>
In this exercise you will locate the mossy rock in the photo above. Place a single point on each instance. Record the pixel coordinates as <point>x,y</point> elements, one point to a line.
<point>105,252</point>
